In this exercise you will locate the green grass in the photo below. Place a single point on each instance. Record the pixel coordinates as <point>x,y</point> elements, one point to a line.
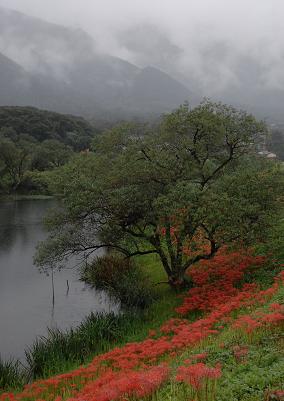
<point>246,379</point>
<point>263,370</point>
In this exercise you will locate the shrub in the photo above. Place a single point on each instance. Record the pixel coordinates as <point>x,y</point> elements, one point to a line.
<point>121,278</point>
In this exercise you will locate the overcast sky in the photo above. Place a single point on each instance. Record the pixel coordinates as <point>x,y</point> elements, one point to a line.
<point>192,34</point>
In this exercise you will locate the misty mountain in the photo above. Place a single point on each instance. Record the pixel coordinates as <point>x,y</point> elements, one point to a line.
<point>218,70</point>
<point>249,82</point>
<point>148,44</point>
<point>50,66</point>
<point>14,81</point>
<point>22,88</point>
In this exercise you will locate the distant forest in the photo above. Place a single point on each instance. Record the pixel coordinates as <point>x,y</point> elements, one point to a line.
<point>33,141</point>
<point>42,125</point>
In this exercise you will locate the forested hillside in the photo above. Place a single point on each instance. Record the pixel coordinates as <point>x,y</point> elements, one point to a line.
<point>33,141</point>
<point>42,125</point>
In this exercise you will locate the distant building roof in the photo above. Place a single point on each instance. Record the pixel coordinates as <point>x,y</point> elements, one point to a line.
<point>268,154</point>
<point>271,155</point>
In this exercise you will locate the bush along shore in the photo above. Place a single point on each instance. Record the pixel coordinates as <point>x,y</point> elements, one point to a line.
<point>121,278</point>
<point>221,340</point>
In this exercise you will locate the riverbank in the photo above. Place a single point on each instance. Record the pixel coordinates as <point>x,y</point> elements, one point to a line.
<point>26,293</point>
<point>62,351</point>
<point>231,323</point>
<point>230,343</point>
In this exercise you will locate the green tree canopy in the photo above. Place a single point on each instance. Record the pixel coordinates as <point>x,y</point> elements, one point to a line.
<point>50,154</point>
<point>15,159</point>
<point>42,125</point>
<point>181,191</point>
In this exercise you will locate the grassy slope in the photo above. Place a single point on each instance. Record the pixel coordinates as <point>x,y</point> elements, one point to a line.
<point>244,380</point>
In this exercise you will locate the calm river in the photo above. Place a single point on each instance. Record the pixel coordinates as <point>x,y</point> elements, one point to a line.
<point>26,308</point>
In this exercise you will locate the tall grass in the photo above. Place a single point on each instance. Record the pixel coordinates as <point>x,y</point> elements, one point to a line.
<point>61,350</point>
<point>12,375</point>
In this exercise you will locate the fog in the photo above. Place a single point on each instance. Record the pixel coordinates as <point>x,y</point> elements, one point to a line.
<point>223,48</point>
<point>202,40</point>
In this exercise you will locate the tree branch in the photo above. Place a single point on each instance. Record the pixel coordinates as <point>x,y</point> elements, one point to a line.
<point>141,253</point>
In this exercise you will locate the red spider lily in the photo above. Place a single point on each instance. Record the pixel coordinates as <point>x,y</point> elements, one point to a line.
<point>216,279</point>
<point>200,357</point>
<point>249,323</point>
<point>122,384</point>
<point>277,395</point>
<point>196,357</point>
<point>246,323</point>
<point>196,375</point>
<point>274,318</point>
<point>277,307</point>
<point>130,370</point>
<point>240,352</point>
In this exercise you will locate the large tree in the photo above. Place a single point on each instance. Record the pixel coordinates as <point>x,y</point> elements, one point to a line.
<point>180,191</point>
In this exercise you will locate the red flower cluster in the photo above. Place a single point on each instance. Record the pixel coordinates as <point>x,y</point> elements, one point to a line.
<point>119,385</point>
<point>215,280</point>
<point>249,323</point>
<point>246,323</point>
<point>197,375</point>
<point>196,357</point>
<point>132,371</point>
<point>277,307</point>
<point>277,395</point>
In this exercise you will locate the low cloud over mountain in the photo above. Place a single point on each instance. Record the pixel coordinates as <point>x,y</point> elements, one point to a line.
<point>48,65</point>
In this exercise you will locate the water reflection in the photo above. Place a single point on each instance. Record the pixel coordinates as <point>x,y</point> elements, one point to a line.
<point>26,295</point>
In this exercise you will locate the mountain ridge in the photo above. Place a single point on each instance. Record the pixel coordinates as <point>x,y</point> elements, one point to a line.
<point>62,71</point>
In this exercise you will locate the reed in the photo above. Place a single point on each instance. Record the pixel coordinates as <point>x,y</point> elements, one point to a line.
<point>60,350</point>
<point>12,375</point>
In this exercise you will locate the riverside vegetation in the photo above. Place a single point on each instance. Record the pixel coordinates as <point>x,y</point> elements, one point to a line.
<point>33,141</point>
<point>190,205</point>
<point>229,345</point>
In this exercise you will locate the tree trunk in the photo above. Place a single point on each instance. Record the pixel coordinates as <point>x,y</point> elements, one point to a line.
<point>179,281</point>
<point>175,272</point>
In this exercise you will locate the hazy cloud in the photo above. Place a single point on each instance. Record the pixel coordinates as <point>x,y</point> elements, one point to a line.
<point>205,41</point>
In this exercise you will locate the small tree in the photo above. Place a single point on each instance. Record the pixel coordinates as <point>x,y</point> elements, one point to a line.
<point>180,192</point>
<point>15,159</point>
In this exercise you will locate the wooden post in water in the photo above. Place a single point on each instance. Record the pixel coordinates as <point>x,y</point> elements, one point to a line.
<point>52,282</point>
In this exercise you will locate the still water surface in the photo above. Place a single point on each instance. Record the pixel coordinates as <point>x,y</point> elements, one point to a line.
<point>26,308</point>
